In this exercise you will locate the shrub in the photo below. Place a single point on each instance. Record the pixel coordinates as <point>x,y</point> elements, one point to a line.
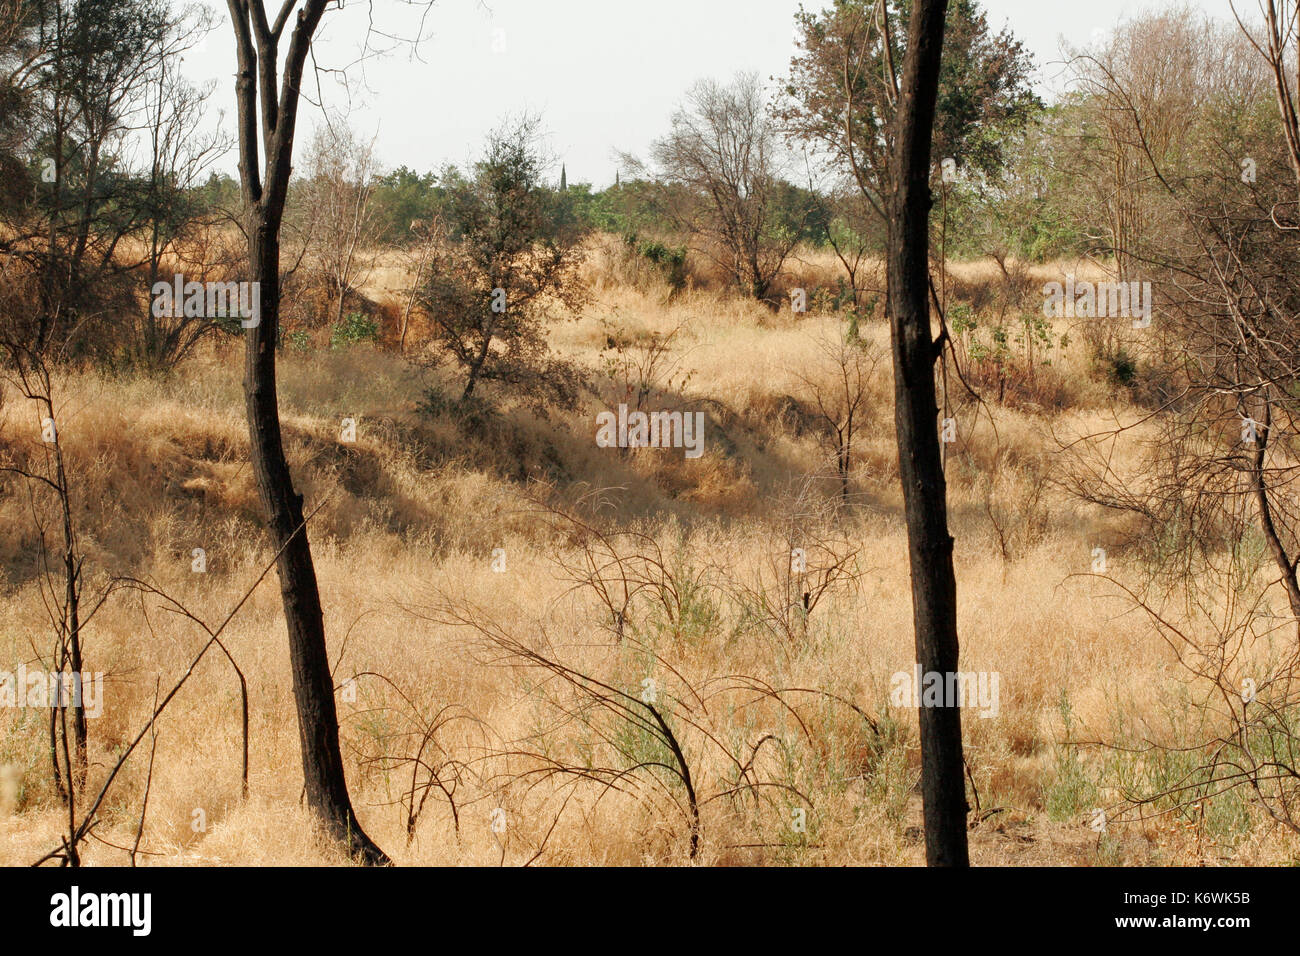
<point>669,260</point>
<point>354,329</point>
<point>1122,369</point>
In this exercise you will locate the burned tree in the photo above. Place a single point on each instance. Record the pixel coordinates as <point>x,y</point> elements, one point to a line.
<point>260,83</point>
<point>934,586</point>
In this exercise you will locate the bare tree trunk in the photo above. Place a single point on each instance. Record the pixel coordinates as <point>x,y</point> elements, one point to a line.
<point>1260,489</point>
<point>32,375</point>
<point>72,617</point>
<point>479,359</point>
<point>313,685</point>
<point>934,587</point>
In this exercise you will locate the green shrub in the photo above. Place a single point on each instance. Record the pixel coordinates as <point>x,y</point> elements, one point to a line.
<point>299,340</point>
<point>1122,369</point>
<point>669,260</point>
<point>353,330</point>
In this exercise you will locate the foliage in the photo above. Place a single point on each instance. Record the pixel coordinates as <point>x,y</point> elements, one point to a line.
<point>505,267</point>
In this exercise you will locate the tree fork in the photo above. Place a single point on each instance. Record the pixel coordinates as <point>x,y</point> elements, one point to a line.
<point>257,43</point>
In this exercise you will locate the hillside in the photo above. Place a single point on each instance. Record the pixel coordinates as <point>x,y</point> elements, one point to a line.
<point>473,562</point>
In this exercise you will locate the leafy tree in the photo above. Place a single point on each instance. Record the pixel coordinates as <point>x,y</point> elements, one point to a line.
<point>507,262</point>
<point>92,212</point>
<point>219,190</point>
<point>843,90</point>
<point>402,198</point>
<point>20,53</point>
<point>1025,208</point>
<point>630,207</point>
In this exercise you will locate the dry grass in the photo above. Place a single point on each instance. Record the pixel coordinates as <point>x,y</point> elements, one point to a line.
<point>412,514</point>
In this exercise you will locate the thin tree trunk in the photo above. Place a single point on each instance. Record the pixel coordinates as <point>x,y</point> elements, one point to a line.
<point>313,685</point>
<point>410,299</point>
<point>934,587</point>
<point>71,636</point>
<point>1259,487</point>
<point>480,359</point>
<point>257,44</point>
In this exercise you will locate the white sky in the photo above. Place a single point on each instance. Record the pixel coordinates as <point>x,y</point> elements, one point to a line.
<point>604,74</point>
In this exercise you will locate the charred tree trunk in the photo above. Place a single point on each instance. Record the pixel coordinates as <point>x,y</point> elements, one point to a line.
<point>934,587</point>
<point>1260,489</point>
<point>313,685</point>
<point>72,621</point>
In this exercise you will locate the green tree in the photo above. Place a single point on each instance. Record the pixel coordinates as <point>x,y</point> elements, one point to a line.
<point>508,258</point>
<point>402,198</point>
<point>843,90</point>
<point>1026,209</point>
<point>106,133</point>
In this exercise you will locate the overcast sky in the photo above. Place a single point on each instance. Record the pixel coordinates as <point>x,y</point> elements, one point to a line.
<point>605,75</point>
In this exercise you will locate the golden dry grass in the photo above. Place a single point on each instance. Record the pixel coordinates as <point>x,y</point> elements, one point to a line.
<point>410,517</point>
